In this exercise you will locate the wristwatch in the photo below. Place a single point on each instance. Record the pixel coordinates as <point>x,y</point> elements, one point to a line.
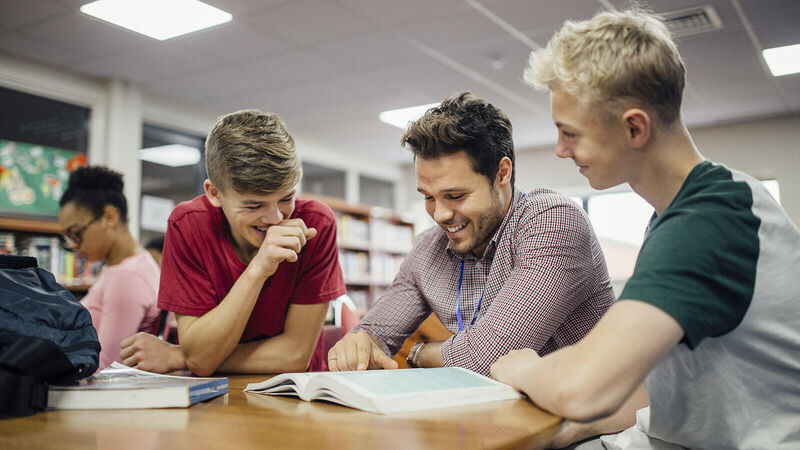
<point>413,355</point>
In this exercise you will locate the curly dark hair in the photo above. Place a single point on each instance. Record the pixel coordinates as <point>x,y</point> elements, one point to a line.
<point>464,122</point>
<point>94,188</point>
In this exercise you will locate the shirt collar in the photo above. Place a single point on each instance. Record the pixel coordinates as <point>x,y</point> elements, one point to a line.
<point>488,254</point>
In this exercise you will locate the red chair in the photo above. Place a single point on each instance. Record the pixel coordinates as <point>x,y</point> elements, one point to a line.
<point>344,313</point>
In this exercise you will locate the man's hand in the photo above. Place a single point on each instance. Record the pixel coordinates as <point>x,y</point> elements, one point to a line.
<point>508,368</point>
<point>147,352</point>
<point>358,351</point>
<point>283,242</point>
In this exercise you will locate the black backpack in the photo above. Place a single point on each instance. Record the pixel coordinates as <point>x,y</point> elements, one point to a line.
<point>46,336</point>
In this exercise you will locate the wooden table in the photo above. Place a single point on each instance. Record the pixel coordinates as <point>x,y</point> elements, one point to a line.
<point>245,420</point>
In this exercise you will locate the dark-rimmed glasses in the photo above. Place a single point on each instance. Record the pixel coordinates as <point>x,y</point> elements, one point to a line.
<point>73,235</point>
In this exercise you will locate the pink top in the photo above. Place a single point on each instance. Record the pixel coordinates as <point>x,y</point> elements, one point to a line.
<point>123,302</point>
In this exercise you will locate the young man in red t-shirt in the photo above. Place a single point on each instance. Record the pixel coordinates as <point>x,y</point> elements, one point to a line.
<point>247,268</point>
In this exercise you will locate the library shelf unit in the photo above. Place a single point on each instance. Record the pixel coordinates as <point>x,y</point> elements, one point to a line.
<point>373,243</point>
<point>40,237</point>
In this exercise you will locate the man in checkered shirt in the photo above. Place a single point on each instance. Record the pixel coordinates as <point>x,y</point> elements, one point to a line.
<point>503,270</point>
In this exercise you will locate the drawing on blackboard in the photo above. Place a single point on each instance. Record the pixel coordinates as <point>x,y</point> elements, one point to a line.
<point>33,177</point>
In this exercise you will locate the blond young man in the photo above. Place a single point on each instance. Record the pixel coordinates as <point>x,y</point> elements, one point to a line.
<point>247,268</point>
<point>709,320</point>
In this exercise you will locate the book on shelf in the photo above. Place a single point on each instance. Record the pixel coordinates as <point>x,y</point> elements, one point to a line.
<point>122,387</point>
<point>68,267</point>
<point>389,391</point>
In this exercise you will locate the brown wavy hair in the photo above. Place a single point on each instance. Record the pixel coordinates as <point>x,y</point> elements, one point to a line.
<point>251,151</point>
<point>464,122</point>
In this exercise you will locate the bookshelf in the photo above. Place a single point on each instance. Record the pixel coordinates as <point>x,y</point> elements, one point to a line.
<point>40,238</point>
<point>373,243</point>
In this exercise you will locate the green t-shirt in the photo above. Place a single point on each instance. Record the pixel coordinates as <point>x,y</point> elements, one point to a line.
<point>724,260</point>
<point>698,261</point>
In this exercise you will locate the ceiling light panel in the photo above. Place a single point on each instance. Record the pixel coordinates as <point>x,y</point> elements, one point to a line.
<point>401,117</point>
<point>158,19</point>
<point>173,155</point>
<point>783,60</point>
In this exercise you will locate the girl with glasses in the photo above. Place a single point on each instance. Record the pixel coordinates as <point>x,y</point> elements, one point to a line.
<point>94,220</point>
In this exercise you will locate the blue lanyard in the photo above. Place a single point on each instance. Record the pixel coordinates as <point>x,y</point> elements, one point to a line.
<point>458,301</point>
<point>458,297</point>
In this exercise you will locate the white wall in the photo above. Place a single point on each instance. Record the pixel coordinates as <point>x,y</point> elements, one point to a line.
<point>765,149</point>
<point>768,148</point>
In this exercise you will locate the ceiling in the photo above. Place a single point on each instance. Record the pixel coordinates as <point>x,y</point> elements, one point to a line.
<point>328,67</point>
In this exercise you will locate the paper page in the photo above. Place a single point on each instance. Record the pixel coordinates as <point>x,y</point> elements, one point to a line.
<point>393,391</point>
<point>284,384</point>
<point>414,381</point>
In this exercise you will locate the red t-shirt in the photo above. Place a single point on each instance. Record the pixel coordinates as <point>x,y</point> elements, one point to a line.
<point>199,268</point>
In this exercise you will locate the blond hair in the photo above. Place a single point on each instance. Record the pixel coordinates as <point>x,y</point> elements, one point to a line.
<point>612,60</point>
<point>252,152</point>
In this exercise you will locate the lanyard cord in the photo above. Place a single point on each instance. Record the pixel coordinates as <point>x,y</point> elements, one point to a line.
<point>458,297</point>
<point>458,301</point>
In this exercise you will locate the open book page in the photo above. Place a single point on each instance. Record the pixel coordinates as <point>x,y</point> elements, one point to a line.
<point>289,384</point>
<point>390,391</point>
<point>308,386</point>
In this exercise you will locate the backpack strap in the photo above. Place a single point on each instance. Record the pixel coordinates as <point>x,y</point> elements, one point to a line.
<point>25,363</point>
<point>22,395</point>
<point>17,262</point>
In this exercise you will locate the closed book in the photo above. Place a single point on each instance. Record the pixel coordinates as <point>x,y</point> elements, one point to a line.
<point>390,391</point>
<point>122,387</point>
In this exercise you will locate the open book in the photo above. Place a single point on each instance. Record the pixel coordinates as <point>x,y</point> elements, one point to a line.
<point>122,387</point>
<point>389,391</point>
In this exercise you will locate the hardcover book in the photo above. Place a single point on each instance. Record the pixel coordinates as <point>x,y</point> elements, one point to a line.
<point>122,387</point>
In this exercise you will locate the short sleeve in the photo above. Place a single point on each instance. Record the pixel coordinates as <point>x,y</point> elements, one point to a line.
<point>319,278</point>
<point>186,287</point>
<point>698,264</point>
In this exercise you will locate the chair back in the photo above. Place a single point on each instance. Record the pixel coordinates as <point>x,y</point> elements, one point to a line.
<point>344,313</point>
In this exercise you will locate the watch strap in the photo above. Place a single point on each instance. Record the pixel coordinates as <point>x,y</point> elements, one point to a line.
<point>413,355</point>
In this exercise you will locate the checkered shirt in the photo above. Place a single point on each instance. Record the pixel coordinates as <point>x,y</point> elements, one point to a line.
<point>545,277</point>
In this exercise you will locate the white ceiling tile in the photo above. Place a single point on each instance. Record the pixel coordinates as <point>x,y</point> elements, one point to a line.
<point>71,4</point>
<point>152,61</point>
<point>18,13</point>
<point>297,66</point>
<point>390,12</point>
<point>775,22</point>
<point>85,36</point>
<point>175,89</point>
<point>454,33</point>
<point>542,17</point>
<point>310,21</point>
<point>240,8</point>
<point>30,47</point>
<point>234,43</point>
<point>368,51</point>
